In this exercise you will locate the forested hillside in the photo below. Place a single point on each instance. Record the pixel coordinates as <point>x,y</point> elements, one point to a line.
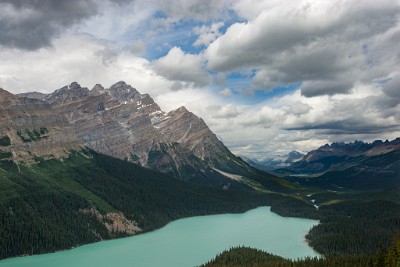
<point>61,203</point>
<point>353,166</point>
<point>55,204</point>
<point>249,257</point>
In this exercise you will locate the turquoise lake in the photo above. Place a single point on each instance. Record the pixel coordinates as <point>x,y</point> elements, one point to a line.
<point>186,242</point>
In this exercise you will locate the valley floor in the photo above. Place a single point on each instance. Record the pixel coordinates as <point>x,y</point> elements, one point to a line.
<point>42,204</point>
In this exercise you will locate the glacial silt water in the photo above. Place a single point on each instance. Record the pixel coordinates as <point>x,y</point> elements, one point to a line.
<point>186,242</point>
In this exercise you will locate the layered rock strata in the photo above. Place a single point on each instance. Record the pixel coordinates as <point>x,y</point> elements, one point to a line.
<point>31,128</point>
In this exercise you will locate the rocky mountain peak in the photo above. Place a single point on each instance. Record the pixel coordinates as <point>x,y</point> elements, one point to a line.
<point>6,98</point>
<point>123,92</point>
<point>340,150</point>
<point>119,84</point>
<point>98,89</point>
<point>293,156</point>
<point>123,123</point>
<point>74,86</point>
<point>276,162</point>
<point>182,109</point>
<point>33,95</point>
<point>357,164</point>
<point>72,92</point>
<point>396,141</point>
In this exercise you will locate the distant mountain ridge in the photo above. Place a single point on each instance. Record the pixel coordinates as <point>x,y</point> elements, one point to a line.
<point>326,156</point>
<point>356,165</point>
<point>34,95</point>
<point>270,164</point>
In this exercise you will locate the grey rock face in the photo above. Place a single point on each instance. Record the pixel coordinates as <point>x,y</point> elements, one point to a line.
<point>340,156</point>
<point>34,129</point>
<point>67,94</point>
<point>355,166</point>
<point>123,123</point>
<point>34,95</point>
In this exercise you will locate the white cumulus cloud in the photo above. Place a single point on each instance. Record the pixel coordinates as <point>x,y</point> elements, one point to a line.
<point>328,45</point>
<point>207,34</point>
<point>180,66</point>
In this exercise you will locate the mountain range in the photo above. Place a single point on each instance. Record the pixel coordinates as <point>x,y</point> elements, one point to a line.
<point>342,166</point>
<point>123,123</point>
<point>79,166</point>
<point>272,163</point>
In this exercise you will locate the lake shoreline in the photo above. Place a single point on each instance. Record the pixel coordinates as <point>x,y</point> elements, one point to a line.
<point>122,237</point>
<point>200,217</point>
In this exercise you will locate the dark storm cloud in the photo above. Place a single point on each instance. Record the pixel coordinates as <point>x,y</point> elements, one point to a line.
<point>32,24</point>
<point>193,9</point>
<point>392,88</point>
<point>316,88</point>
<point>317,43</point>
<point>348,126</point>
<point>122,2</point>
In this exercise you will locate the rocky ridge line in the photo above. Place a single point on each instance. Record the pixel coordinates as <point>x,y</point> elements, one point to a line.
<point>31,128</point>
<point>123,123</point>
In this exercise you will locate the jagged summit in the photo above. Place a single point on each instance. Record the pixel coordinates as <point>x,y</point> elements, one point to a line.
<point>279,161</point>
<point>124,92</point>
<point>72,92</point>
<point>355,148</point>
<point>74,86</point>
<point>352,165</point>
<point>98,89</point>
<point>33,95</point>
<point>181,109</point>
<point>123,123</point>
<point>6,98</point>
<point>120,84</point>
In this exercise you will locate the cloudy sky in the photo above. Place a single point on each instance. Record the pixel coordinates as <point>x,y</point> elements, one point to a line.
<point>266,76</point>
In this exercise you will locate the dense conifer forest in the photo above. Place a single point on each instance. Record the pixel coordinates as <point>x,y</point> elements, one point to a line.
<point>249,257</point>
<point>354,227</point>
<point>41,206</point>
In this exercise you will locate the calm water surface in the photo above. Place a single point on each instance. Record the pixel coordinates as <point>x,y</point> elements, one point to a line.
<point>187,242</point>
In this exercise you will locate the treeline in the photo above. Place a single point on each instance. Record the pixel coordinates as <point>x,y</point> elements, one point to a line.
<point>159,198</point>
<point>347,227</point>
<point>249,257</point>
<point>38,222</point>
<point>41,206</point>
<point>389,256</point>
<point>154,199</point>
<point>354,227</point>
<point>294,207</point>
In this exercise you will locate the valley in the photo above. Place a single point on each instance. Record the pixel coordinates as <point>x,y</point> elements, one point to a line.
<point>193,133</point>
<point>82,166</point>
<point>187,242</point>
<point>352,166</point>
